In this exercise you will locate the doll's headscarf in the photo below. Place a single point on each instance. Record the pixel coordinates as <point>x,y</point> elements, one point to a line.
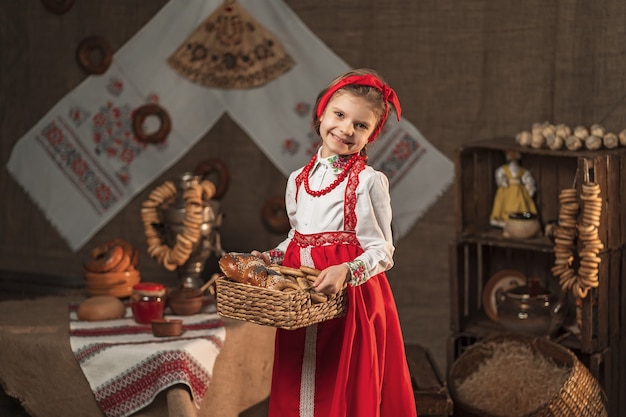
<point>389,96</point>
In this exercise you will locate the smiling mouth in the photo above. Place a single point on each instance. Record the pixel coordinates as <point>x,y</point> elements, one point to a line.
<point>338,139</point>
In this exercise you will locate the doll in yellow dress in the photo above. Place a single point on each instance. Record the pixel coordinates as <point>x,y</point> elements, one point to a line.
<point>516,188</point>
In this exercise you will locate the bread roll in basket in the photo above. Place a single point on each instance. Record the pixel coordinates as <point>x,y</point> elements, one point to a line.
<point>273,295</point>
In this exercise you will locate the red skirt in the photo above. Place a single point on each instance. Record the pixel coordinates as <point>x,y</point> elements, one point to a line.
<point>349,366</point>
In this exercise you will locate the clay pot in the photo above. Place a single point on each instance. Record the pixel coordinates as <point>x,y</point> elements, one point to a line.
<point>185,301</point>
<point>521,225</point>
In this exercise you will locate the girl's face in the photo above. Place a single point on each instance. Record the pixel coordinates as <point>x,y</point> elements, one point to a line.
<point>346,125</point>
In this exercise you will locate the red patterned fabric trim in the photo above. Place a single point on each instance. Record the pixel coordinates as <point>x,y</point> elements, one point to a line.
<point>123,396</point>
<point>326,238</point>
<point>349,214</point>
<point>299,180</point>
<point>83,355</point>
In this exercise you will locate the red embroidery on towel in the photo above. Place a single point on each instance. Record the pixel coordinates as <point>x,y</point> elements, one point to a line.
<point>137,388</point>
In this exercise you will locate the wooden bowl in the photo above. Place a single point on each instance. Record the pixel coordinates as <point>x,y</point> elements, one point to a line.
<point>185,301</point>
<point>167,328</point>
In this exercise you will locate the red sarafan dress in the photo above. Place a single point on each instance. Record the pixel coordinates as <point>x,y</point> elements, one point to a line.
<point>354,365</point>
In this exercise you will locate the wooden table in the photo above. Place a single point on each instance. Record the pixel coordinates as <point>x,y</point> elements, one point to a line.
<point>39,369</point>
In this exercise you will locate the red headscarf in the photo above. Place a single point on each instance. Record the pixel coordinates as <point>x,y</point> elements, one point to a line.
<point>368,80</point>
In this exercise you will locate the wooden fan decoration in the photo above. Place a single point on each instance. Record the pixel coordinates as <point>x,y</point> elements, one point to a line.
<point>230,49</point>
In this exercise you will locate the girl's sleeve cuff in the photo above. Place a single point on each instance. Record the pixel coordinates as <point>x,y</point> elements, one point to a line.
<point>358,272</point>
<point>276,256</point>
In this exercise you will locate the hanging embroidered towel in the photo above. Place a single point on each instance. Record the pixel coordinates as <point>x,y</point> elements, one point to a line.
<point>94,166</point>
<point>89,164</point>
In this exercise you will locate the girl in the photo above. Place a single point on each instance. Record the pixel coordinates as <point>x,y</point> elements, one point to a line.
<point>340,214</point>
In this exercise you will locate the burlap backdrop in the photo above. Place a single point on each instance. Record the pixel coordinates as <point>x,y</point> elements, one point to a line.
<point>464,70</point>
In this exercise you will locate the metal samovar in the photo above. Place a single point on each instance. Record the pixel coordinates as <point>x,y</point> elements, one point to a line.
<point>172,216</point>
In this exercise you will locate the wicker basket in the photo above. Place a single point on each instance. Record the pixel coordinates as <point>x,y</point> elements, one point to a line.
<point>579,396</point>
<point>284,309</point>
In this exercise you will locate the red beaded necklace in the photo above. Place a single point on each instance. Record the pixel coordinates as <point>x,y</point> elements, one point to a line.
<point>307,170</point>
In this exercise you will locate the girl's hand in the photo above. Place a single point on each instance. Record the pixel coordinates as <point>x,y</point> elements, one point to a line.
<point>261,255</point>
<point>332,279</point>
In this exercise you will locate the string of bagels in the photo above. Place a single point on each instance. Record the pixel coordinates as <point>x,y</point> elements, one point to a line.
<point>172,257</point>
<point>581,280</point>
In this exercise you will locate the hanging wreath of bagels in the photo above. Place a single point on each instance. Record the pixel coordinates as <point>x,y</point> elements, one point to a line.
<point>58,6</point>
<point>216,171</point>
<point>274,215</point>
<point>172,257</point>
<point>140,115</point>
<point>578,281</point>
<point>94,54</point>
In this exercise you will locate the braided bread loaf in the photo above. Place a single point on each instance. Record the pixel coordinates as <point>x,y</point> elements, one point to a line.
<point>249,269</point>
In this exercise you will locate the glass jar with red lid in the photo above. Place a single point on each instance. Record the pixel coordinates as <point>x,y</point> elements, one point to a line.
<point>147,302</point>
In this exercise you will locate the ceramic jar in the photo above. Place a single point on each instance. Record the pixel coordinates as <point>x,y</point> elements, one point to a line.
<point>530,309</point>
<point>147,302</point>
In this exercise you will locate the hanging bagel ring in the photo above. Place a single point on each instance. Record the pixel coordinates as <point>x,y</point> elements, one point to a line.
<point>274,215</point>
<point>94,55</point>
<point>216,171</point>
<point>140,115</point>
<point>58,6</point>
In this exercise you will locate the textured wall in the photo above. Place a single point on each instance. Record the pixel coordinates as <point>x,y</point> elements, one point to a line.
<point>464,70</point>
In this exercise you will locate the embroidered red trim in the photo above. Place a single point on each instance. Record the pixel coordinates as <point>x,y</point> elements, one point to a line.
<point>325,238</point>
<point>349,214</point>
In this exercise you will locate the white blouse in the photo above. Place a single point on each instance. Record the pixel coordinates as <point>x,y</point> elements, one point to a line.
<point>310,215</point>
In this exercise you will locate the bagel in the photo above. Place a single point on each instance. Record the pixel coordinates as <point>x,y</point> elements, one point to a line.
<point>286,270</point>
<point>104,258</point>
<point>94,54</point>
<point>303,283</point>
<point>275,216</point>
<point>124,263</point>
<point>310,271</point>
<point>318,297</point>
<point>129,250</point>
<point>558,269</point>
<point>139,117</point>
<point>284,284</point>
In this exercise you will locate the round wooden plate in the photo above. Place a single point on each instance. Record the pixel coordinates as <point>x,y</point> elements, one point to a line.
<point>504,280</point>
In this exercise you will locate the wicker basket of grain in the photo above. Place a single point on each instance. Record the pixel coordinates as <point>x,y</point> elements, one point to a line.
<point>283,309</point>
<point>523,376</point>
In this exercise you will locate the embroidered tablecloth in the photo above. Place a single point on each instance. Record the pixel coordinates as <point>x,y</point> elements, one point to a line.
<point>127,366</point>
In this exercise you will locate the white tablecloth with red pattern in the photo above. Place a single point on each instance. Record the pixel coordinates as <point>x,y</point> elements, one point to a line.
<point>127,366</point>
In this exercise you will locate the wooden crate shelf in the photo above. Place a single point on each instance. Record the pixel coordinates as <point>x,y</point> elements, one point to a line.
<point>480,251</point>
<point>553,171</point>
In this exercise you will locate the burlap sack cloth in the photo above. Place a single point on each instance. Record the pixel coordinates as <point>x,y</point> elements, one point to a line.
<point>39,369</point>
